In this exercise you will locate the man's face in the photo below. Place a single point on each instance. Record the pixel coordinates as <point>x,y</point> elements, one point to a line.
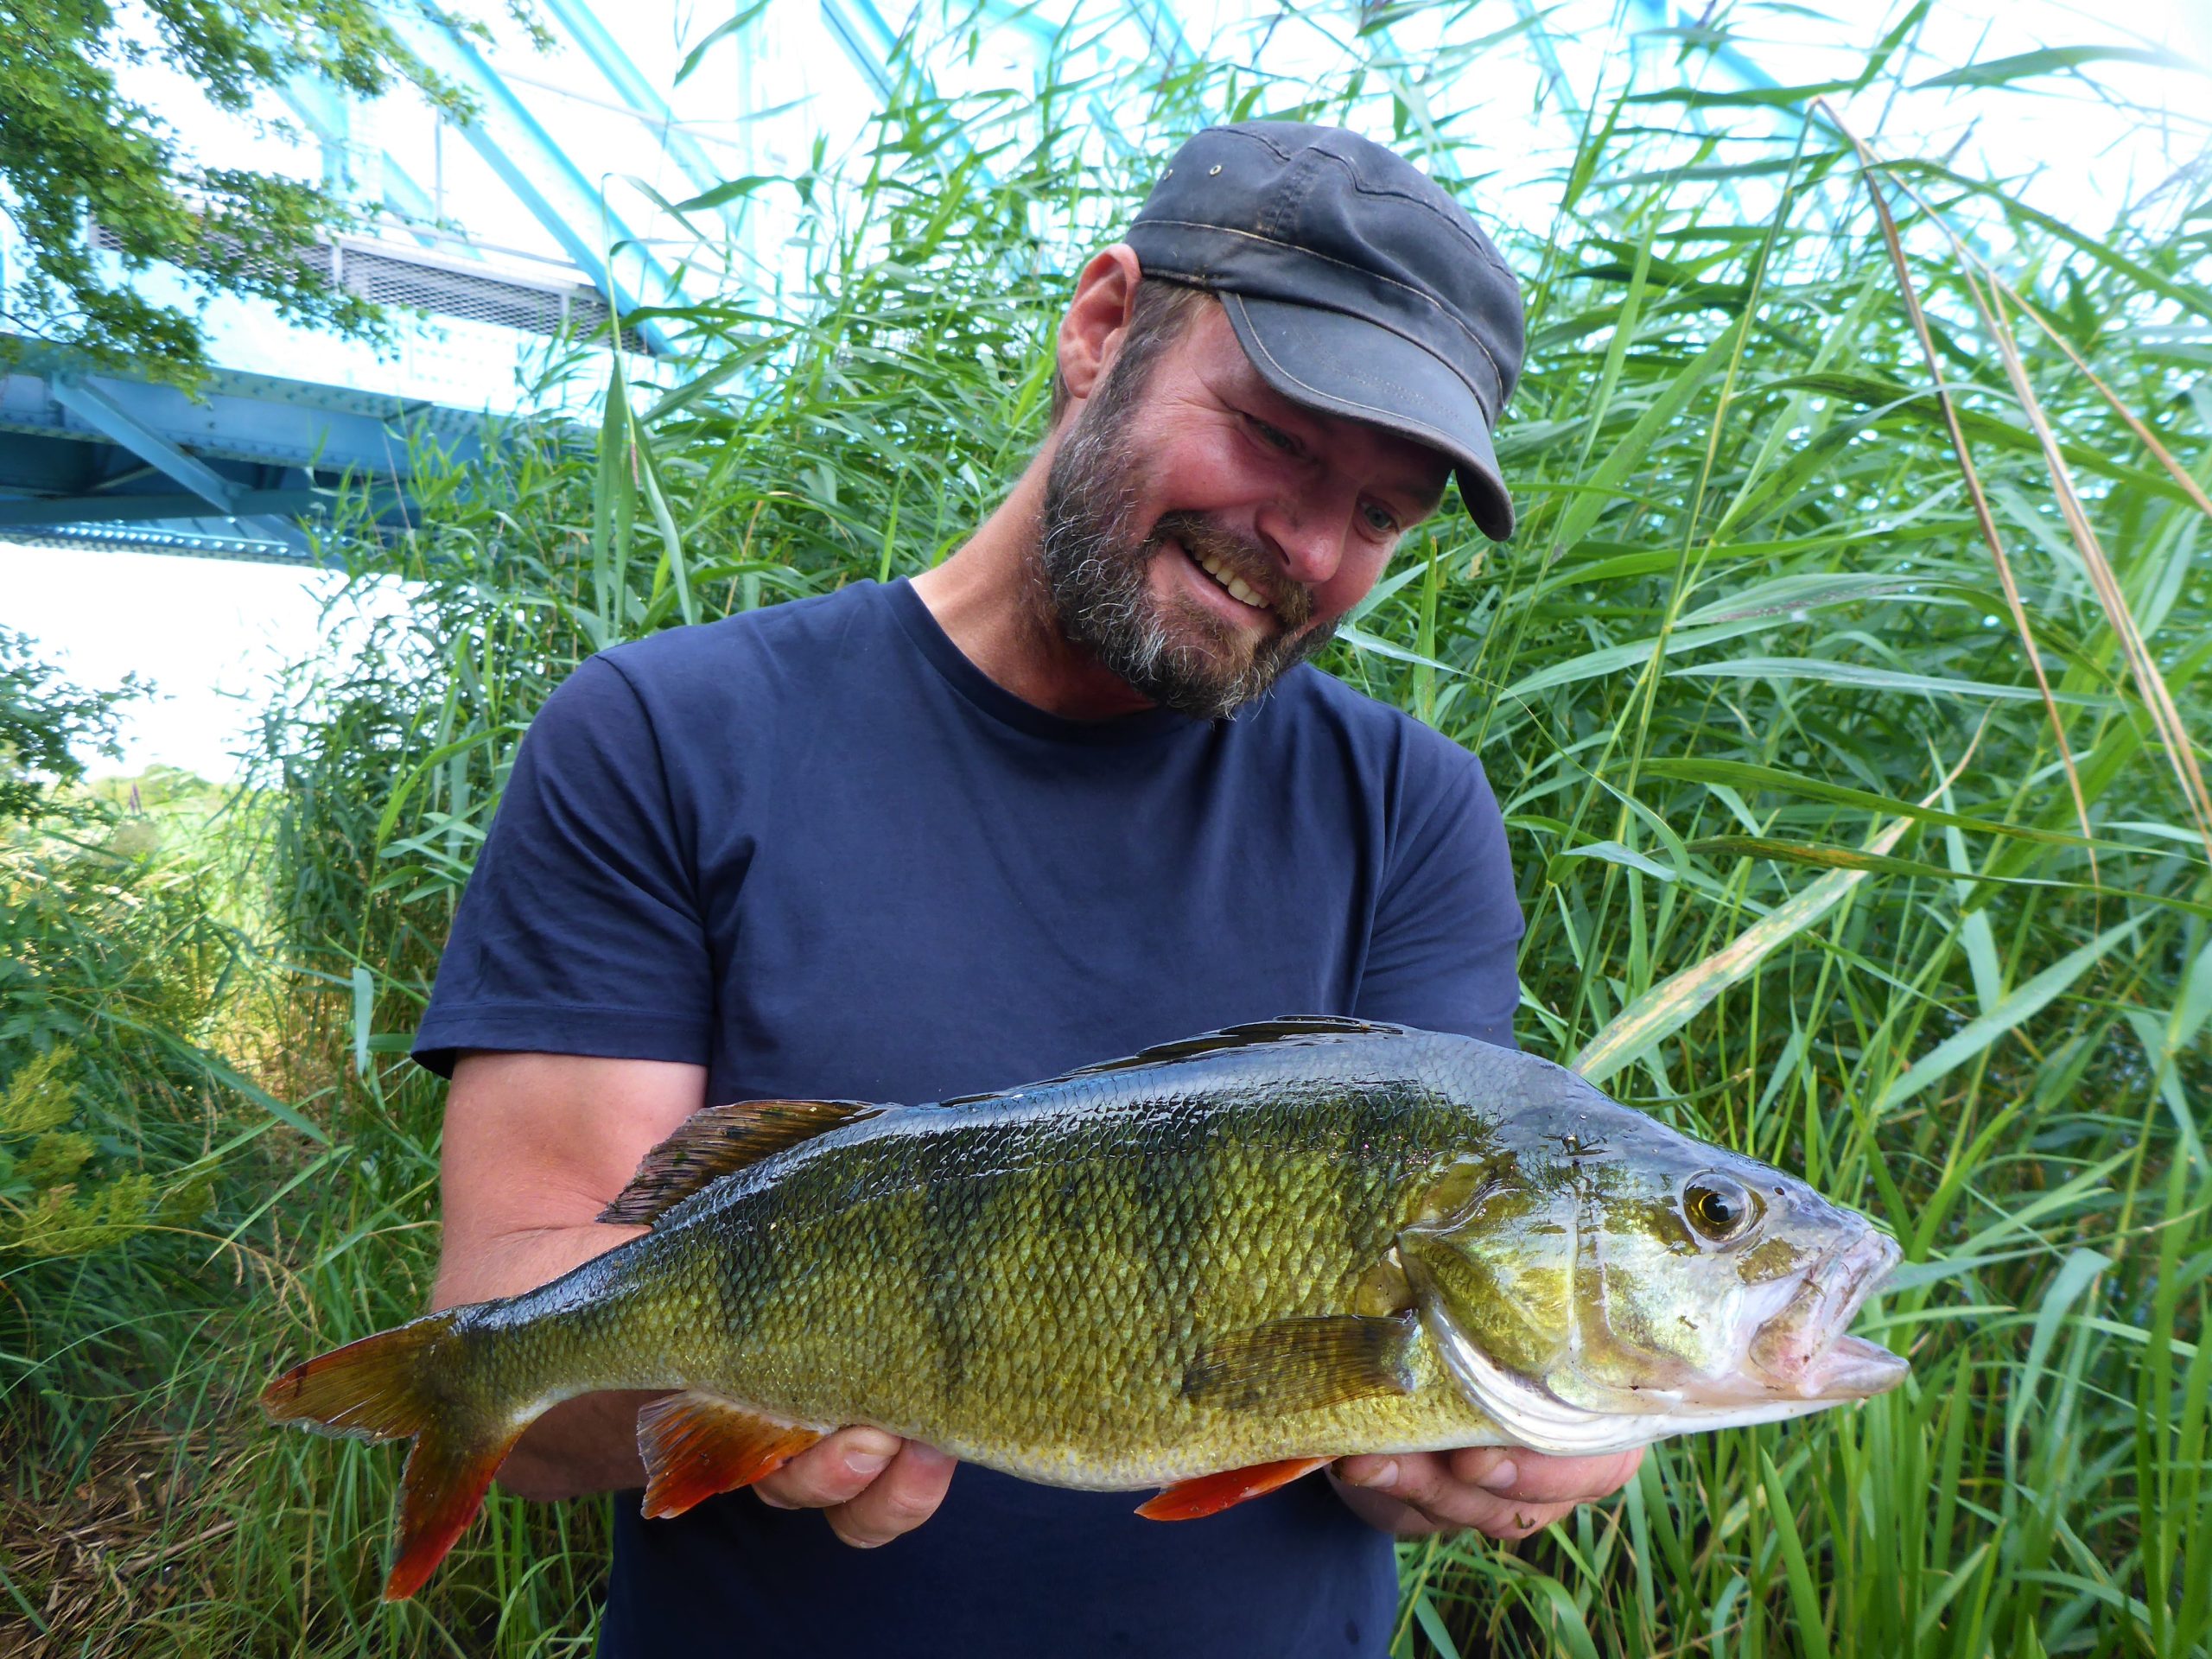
<point>1202,534</point>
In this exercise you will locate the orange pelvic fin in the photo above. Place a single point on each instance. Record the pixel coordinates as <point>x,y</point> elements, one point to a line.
<point>397,1385</point>
<point>696,1444</point>
<point>1188,1500</point>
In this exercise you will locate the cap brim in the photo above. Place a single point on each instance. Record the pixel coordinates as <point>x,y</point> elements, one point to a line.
<point>1343,366</point>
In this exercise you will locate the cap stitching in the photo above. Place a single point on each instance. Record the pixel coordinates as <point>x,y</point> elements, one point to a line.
<point>1258,138</point>
<point>1390,415</point>
<point>1396,333</point>
<point>1327,258</point>
<point>1468,233</point>
<point>1391,418</point>
<point>1290,199</point>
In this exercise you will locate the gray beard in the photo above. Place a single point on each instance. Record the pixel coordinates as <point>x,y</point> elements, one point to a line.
<point>1095,564</point>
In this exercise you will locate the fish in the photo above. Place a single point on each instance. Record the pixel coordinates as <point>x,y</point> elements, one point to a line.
<point>1211,1268</point>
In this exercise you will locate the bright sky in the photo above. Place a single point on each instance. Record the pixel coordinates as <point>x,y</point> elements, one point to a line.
<point>212,635</point>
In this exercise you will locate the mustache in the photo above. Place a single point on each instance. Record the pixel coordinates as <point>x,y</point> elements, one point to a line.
<point>1291,601</point>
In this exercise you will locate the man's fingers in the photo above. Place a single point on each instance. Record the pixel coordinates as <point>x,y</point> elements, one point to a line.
<point>899,1499</point>
<point>1532,1478</point>
<point>1498,1491</point>
<point>835,1469</point>
<point>1425,1481</point>
<point>1513,1520</point>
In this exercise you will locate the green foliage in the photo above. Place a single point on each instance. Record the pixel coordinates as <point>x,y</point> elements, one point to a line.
<point>46,725</point>
<point>46,1209</point>
<point>71,144</point>
<point>40,1098</point>
<point>116,1118</point>
<point>1805,866</point>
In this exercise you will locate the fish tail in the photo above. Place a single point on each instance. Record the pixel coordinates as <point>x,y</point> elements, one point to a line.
<point>415,1382</point>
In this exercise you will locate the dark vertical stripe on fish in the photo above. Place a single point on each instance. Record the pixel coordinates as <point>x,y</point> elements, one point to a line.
<point>955,1241</point>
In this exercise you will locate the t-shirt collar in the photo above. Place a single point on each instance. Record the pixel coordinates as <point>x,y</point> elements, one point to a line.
<point>1145,725</point>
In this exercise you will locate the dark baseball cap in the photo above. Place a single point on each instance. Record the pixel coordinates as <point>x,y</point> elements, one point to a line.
<point>1355,285</point>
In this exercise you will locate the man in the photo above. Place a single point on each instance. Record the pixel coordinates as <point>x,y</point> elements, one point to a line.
<point>1062,798</point>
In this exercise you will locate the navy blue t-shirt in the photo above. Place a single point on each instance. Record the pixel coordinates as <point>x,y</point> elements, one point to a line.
<point>815,849</point>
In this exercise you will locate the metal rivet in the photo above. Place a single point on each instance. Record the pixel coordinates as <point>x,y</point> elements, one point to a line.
<point>1215,169</point>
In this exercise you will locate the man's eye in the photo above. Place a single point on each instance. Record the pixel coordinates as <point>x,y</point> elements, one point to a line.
<point>1273,437</point>
<point>1381,520</point>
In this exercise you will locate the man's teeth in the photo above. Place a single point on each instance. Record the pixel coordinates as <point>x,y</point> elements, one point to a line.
<point>1239,588</point>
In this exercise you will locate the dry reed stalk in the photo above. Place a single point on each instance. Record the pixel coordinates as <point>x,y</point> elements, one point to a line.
<point>2157,697</point>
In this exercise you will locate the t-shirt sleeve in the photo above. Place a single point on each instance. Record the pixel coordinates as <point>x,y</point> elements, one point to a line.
<point>1448,923</point>
<point>579,931</point>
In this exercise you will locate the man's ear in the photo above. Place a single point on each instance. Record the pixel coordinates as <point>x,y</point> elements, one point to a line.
<point>1097,318</point>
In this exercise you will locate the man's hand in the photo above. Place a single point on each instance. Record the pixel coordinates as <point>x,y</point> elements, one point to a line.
<point>869,1485</point>
<point>1498,1490</point>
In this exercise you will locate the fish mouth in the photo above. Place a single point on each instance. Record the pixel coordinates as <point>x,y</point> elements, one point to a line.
<point>1802,1351</point>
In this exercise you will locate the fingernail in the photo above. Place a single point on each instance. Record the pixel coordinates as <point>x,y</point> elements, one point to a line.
<point>867,1465</point>
<point>1384,1477</point>
<point>1501,1475</point>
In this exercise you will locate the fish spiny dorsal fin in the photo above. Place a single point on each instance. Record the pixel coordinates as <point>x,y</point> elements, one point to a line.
<point>1287,1030</point>
<point>720,1139</point>
<point>1294,1029</point>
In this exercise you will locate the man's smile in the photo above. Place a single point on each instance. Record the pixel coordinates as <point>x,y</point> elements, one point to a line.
<point>1226,579</point>
<point>1220,588</point>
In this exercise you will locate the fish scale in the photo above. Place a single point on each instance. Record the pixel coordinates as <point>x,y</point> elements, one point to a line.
<point>1209,1266</point>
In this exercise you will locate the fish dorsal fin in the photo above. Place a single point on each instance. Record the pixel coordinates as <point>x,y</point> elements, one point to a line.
<point>714,1142</point>
<point>1286,1030</point>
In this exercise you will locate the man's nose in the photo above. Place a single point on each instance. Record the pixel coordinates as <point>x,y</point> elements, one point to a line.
<point>1309,537</point>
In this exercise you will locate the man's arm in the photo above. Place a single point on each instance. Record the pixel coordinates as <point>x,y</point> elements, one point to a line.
<point>536,1145</point>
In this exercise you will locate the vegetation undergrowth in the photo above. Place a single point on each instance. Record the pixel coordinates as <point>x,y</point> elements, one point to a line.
<point>1837,685</point>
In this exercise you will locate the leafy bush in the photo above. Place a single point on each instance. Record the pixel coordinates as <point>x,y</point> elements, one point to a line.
<point>115,1121</point>
<point>97,948</point>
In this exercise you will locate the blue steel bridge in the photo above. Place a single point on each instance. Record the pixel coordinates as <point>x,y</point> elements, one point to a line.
<point>494,239</point>
<point>494,236</point>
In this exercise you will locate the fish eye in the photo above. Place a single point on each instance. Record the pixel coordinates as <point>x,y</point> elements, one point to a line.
<point>1720,1209</point>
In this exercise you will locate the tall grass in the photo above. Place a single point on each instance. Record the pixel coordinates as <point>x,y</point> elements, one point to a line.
<point>1838,747</point>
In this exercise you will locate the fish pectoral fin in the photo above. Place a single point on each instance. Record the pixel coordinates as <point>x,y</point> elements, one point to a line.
<point>1189,1500</point>
<point>1299,1364</point>
<point>720,1139</point>
<point>696,1444</point>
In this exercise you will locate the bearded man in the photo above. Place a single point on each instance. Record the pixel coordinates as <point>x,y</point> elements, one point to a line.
<point>1068,795</point>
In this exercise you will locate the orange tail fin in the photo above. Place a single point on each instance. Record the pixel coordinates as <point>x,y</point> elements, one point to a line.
<point>402,1384</point>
